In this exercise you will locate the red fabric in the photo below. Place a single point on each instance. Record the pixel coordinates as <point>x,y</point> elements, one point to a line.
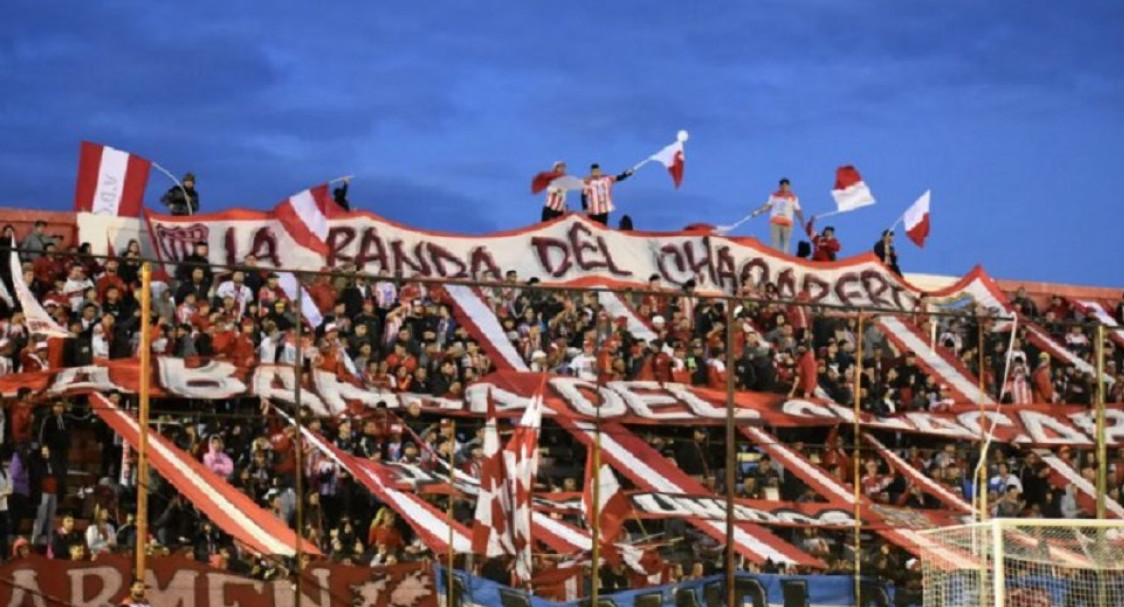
<point>846,176</point>
<point>806,370</point>
<point>542,180</point>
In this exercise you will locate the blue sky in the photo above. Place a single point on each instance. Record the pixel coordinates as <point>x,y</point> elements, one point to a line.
<point>1011,111</point>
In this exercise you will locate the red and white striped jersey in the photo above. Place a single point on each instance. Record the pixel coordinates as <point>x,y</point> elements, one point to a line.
<point>598,193</point>
<point>556,199</point>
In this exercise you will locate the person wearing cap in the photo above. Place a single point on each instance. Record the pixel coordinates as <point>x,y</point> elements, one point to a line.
<point>597,194</point>
<point>182,198</point>
<point>584,365</point>
<point>783,205</point>
<point>825,247</point>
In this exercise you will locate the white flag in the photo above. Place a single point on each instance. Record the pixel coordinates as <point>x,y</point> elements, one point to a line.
<point>38,321</point>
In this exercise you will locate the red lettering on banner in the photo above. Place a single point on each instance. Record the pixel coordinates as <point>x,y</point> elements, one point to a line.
<point>759,265</point>
<point>846,295</point>
<point>816,287</point>
<point>231,245</point>
<point>481,258</point>
<point>695,265</point>
<point>418,265</point>
<point>371,248</point>
<point>875,286</point>
<point>544,245</point>
<point>264,246</point>
<point>579,235</point>
<point>724,270</point>
<point>339,237</point>
<point>439,256</point>
<point>786,284</point>
<point>677,257</point>
<point>909,303</point>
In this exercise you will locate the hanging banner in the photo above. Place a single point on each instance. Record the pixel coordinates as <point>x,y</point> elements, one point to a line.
<point>570,249</point>
<point>633,402</point>
<point>174,580</point>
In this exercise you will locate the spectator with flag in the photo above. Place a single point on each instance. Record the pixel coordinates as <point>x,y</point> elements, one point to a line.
<point>182,199</point>
<point>555,205</point>
<point>597,195</point>
<point>782,206</point>
<point>824,244</point>
<point>884,249</point>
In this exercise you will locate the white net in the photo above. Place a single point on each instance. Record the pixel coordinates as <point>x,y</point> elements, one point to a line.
<point>1025,563</point>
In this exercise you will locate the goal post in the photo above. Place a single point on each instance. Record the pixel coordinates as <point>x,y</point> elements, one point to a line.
<point>1024,563</point>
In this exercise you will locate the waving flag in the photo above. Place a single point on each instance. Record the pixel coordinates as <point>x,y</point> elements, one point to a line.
<point>39,322</point>
<point>612,504</point>
<point>305,217</point>
<point>521,456</point>
<point>916,220</point>
<point>491,533</point>
<point>671,157</point>
<point>110,181</point>
<point>850,191</point>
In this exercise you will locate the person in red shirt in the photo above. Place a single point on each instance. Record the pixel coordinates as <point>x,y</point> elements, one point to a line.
<point>1042,381</point>
<point>805,383</point>
<point>109,279</point>
<point>824,245</point>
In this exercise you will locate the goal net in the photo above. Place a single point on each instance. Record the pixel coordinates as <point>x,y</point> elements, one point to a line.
<point>1024,563</point>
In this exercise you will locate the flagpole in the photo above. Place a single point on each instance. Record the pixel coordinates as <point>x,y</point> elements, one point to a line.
<point>731,456</point>
<point>298,443</point>
<point>595,510</point>
<point>856,456</point>
<point>169,175</point>
<point>449,507</point>
<point>142,447</point>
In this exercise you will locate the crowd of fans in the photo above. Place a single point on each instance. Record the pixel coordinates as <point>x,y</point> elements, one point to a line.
<point>402,336</point>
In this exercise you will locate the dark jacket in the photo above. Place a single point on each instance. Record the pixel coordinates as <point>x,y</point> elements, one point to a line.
<point>181,201</point>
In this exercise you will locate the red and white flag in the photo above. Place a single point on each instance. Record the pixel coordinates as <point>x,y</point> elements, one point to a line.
<point>916,220</point>
<point>672,158</point>
<point>522,462</point>
<point>110,181</point>
<point>491,532</point>
<point>850,192</point>
<point>305,217</point>
<point>38,321</point>
<point>613,507</point>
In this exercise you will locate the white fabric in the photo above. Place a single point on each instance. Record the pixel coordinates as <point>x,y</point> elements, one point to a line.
<point>485,320</point>
<point>38,321</point>
<point>916,212</point>
<point>288,283</point>
<point>617,308</point>
<point>112,171</point>
<point>187,473</point>
<point>745,541</point>
<point>304,205</point>
<point>946,372</point>
<point>855,196</point>
<point>667,155</point>
<point>792,461</point>
<point>1080,484</point>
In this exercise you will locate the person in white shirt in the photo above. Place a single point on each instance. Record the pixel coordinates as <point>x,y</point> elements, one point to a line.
<point>782,206</point>
<point>101,537</point>
<point>74,289</point>
<point>236,288</point>
<point>584,365</point>
<point>1004,478</point>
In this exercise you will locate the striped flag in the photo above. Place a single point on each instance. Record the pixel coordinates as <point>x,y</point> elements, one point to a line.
<point>491,533</point>
<point>110,181</point>
<point>39,322</point>
<point>305,217</point>
<point>521,455</point>
<point>613,507</point>
<point>850,191</point>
